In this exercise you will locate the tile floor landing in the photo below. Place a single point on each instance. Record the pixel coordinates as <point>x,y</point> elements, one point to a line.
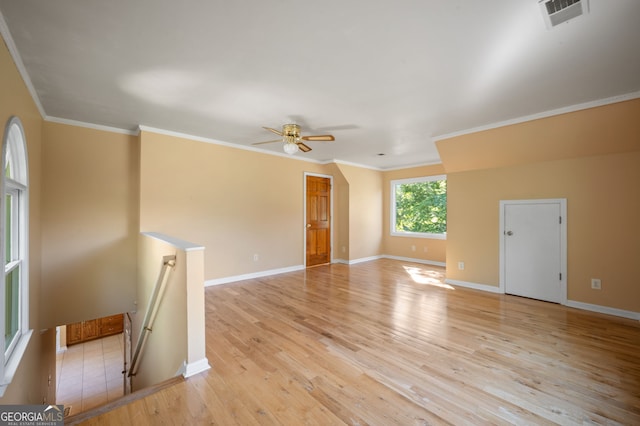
<point>90,374</point>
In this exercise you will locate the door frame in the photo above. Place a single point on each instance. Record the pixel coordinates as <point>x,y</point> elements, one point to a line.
<point>304,214</point>
<point>563,241</point>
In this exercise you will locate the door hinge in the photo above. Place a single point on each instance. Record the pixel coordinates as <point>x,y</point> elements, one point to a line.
<point>560,276</point>
<point>560,220</point>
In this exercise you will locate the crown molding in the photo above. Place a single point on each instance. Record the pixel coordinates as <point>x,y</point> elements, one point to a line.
<point>545,114</point>
<point>90,126</point>
<point>144,128</point>
<point>17,60</point>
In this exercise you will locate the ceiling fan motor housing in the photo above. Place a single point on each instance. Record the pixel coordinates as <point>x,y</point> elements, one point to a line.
<point>291,130</point>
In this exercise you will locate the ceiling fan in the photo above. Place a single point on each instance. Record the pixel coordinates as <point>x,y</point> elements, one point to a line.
<point>293,141</point>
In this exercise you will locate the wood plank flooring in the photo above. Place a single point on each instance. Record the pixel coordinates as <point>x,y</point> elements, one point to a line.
<point>388,343</point>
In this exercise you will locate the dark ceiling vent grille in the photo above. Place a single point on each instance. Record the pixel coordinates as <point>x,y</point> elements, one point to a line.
<point>556,12</point>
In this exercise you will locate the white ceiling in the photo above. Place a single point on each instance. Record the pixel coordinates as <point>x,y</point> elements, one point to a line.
<point>382,77</point>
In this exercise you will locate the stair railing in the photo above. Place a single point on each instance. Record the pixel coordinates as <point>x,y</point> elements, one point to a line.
<point>152,311</point>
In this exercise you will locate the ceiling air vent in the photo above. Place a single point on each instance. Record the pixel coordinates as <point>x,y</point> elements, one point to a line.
<point>556,12</point>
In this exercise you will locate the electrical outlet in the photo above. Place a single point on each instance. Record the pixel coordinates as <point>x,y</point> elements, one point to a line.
<point>256,257</point>
<point>461,266</point>
<point>596,284</point>
<point>426,249</point>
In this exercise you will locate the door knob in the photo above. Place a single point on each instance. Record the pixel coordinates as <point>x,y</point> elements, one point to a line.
<point>509,233</point>
<point>308,225</point>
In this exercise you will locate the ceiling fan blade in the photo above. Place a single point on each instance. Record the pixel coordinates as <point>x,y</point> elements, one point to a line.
<point>319,138</point>
<point>261,143</point>
<point>273,130</point>
<point>303,147</point>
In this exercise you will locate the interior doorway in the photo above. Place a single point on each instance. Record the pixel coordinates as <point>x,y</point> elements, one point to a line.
<point>317,220</point>
<point>533,249</point>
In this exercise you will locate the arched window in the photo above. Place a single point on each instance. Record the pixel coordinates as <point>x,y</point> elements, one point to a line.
<point>14,298</point>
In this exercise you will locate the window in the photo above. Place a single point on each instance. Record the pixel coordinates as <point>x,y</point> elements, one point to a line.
<point>419,207</point>
<point>14,297</point>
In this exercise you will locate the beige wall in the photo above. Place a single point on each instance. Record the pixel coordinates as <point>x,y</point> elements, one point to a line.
<point>90,223</point>
<point>28,385</point>
<point>177,343</point>
<point>603,130</point>
<point>365,211</point>
<point>234,202</point>
<point>427,249</point>
<point>602,192</point>
<point>165,350</point>
<point>340,232</point>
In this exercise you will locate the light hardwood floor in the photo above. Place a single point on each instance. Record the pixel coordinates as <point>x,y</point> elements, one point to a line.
<point>385,343</point>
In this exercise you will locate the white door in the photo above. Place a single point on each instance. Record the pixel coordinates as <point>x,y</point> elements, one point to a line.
<point>533,249</point>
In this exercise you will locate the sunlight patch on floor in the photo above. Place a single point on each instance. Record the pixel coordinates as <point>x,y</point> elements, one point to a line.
<point>421,276</point>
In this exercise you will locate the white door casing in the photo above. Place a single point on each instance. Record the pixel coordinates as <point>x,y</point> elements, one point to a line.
<point>533,249</point>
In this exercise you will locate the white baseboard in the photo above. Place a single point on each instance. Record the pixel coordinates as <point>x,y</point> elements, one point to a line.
<point>475,286</point>
<point>253,275</point>
<point>361,260</point>
<point>385,256</point>
<point>413,260</point>
<point>194,368</point>
<point>570,303</point>
<point>267,273</point>
<point>604,310</point>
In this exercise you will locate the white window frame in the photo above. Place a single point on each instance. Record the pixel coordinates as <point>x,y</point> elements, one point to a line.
<point>392,208</point>
<point>14,145</point>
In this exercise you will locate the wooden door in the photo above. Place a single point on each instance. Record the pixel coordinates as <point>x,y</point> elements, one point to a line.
<point>318,220</point>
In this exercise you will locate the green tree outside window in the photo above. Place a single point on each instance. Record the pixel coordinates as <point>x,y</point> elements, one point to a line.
<point>419,206</point>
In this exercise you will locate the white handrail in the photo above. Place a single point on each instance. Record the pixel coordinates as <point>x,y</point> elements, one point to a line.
<point>152,310</point>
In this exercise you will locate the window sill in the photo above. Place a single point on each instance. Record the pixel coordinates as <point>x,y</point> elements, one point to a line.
<point>14,361</point>
<point>419,235</point>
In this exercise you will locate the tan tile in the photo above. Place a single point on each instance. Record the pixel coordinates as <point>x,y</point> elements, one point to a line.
<point>112,340</point>
<point>94,388</point>
<point>68,392</point>
<point>117,350</point>
<point>93,364</point>
<point>114,366</point>
<point>76,360</point>
<point>94,356</point>
<point>71,373</point>
<point>92,378</point>
<point>115,390</point>
<point>115,382</point>
<point>79,348</point>
<point>97,343</point>
<point>73,358</point>
<point>90,355</point>
<point>70,382</point>
<point>113,358</point>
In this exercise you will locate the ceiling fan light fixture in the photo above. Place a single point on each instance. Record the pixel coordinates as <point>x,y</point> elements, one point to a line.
<point>290,148</point>
<point>292,140</point>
